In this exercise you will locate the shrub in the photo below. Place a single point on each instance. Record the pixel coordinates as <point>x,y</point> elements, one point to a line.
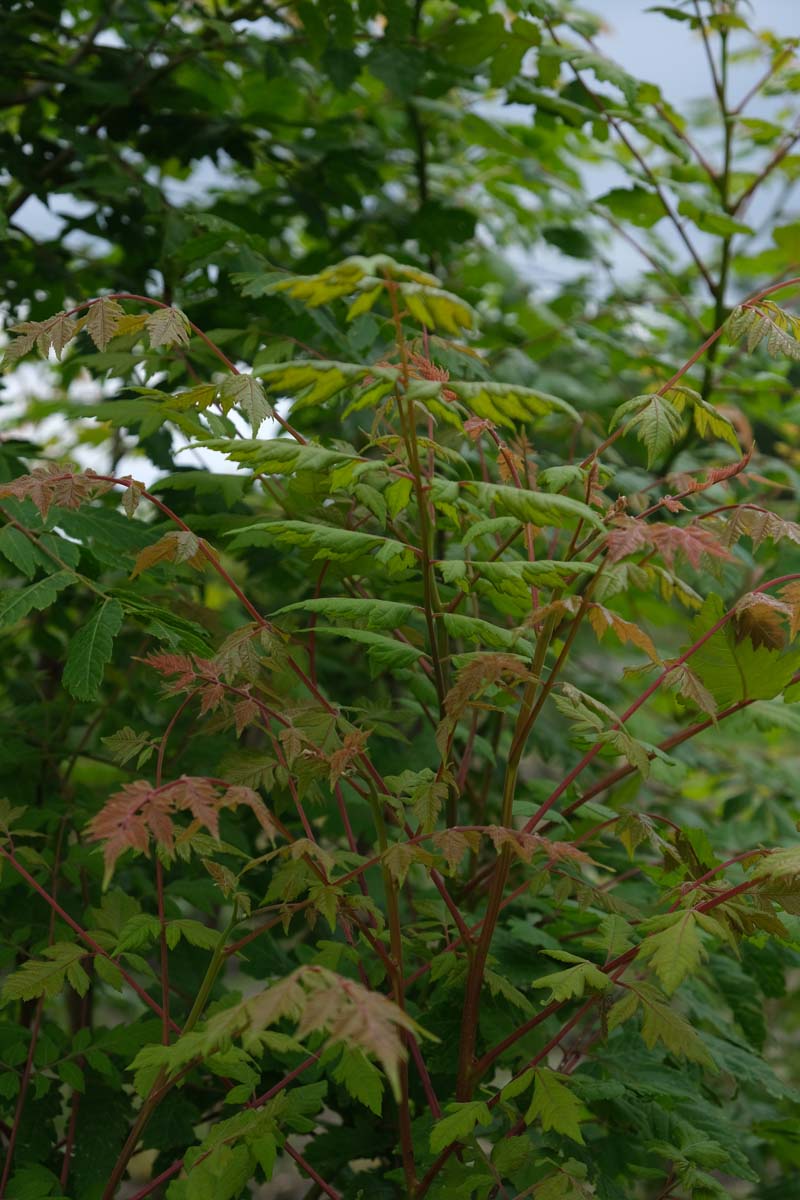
<point>323,838</point>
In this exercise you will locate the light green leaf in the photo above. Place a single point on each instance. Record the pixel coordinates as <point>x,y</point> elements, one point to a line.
<point>573,981</point>
<point>459,1124</point>
<point>655,421</point>
<point>542,509</point>
<point>327,542</point>
<point>508,403</point>
<point>246,393</point>
<point>674,950</point>
<point>472,629</point>
<point>555,1106</point>
<point>734,670</point>
<point>46,977</point>
<point>361,1078</point>
<point>373,614</point>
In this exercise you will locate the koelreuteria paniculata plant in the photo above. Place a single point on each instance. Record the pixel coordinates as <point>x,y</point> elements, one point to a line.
<point>378,831</point>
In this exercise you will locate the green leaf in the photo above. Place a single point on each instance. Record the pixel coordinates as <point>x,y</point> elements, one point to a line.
<point>459,1124</point>
<point>660,1023</point>
<point>282,456</point>
<point>89,651</point>
<point>542,509</point>
<point>734,670</point>
<point>71,1074</point>
<point>564,985</point>
<point>555,1105</point>
<point>636,204</point>
<point>312,382</point>
<point>246,393</point>
<point>384,653</point>
<point>508,403</point>
<point>708,421</point>
<point>472,629</point>
<point>512,578</point>
<point>361,1078</point>
<point>674,950</point>
<point>22,551</point>
<point>655,421</point>
<point>16,603</point>
<point>46,977</point>
<point>373,614</point>
<point>327,542</point>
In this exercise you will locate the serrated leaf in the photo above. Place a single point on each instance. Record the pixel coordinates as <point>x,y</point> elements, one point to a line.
<point>572,981</point>
<point>167,327</point>
<point>247,394</point>
<point>674,950</point>
<point>47,976</point>
<point>734,670</point>
<point>555,1106</point>
<point>102,321</point>
<point>361,1078</point>
<point>372,614</point>
<point>458,1124</point>
<point>16,603</point>
<point>90,650</point>
<point>655,421</point>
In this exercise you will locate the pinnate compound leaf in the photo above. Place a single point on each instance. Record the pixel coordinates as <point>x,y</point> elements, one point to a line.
<point>47,976</point>
<point>459,1123</point>
<point>555,1105</point>
<point>319,1001</point>
<point>765,321</point>
<point>90,650</point>
<point>140,813</point>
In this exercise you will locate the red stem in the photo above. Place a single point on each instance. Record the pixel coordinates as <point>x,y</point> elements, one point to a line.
<point>23,1092</point>
<point>641,699</point>
<point>164,951</point>
<point>83,935</point>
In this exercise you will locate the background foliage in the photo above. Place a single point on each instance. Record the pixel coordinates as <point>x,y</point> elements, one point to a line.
<point>202,156</point>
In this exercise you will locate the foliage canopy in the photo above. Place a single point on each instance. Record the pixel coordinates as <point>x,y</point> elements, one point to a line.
<point>400,661</point>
